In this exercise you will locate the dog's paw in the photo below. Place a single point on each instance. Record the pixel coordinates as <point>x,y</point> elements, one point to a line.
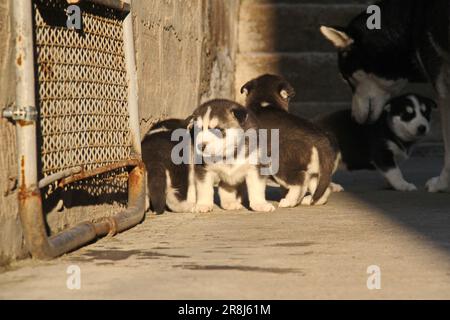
<point>334,187</point>
<point>307,200</point>
<point>406,187</point>
<point>262,207</point>
<point>203,208</point>
<point>285,203</point>
<point>232,205</point>
<point>437,184</point>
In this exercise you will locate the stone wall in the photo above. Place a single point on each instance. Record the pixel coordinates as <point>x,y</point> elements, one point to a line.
<point>185,52</point>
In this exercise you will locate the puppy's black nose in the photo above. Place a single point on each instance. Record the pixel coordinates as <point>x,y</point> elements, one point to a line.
<point>421,130</point>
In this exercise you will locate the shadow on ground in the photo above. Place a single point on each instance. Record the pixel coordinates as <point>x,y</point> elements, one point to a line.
<point>424,213</point>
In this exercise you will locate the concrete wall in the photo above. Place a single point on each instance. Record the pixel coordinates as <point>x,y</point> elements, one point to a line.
<point>185,54</point>
<point>185,51</point>
<point>11,238</point>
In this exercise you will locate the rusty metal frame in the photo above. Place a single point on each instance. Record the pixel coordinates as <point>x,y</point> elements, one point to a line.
<point>39,244</point>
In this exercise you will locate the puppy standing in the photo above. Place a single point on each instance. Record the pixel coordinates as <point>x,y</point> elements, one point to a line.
<point>308,157</point>
<point>219,124</point>
<point>169,184</point>
<point>387,142</point>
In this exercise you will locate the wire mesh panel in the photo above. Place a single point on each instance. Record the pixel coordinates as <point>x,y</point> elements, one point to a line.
<point>82,89</point>
<point>83,93</point>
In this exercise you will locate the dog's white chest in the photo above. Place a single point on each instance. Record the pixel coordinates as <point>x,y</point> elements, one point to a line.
<point>231,174</point>
<point>400,155</point>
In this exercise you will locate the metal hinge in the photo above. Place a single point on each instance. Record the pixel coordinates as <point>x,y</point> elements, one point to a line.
<point>15,113</point>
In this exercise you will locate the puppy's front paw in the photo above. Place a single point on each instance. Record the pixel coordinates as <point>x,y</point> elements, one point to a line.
<point>232,206</point>
<point>406,187</point>
<point>437,184</point>
<point>307,201</point>
<point>334,187</point>
<point>262,207</point>
<point>285,203</point>
<point>203,208</point>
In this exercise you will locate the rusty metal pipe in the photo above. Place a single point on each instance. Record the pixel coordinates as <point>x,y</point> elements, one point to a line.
<point>95,172</point>
<point>43,247</point>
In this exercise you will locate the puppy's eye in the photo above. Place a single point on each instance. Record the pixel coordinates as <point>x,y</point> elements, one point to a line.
<point>219,133</point>
<point>409,110</point>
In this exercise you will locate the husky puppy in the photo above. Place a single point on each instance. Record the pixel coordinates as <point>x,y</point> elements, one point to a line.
<point>169,185</point>
<point>308,157</point>
<point>216,126</point>
<point>412,45</point>
<point>385,143</point>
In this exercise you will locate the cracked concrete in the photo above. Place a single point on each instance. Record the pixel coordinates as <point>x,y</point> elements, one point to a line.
<point>320,252</point>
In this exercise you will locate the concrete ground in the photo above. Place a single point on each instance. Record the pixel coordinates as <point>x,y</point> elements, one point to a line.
<point>320,252</point>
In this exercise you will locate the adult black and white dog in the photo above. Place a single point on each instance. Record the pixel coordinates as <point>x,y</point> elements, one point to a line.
<point>384,144</point>
<point>412,45</point>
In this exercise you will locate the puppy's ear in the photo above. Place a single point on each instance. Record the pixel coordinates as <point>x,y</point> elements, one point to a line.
<point>246,88</point>
<point>337,36</point>
<point>240,114</point>
<point>429,102</point>
<point>286,91</point>
<point>190,122</point>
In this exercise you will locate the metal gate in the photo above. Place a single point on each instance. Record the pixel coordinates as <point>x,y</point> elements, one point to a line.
<point>76,116</point>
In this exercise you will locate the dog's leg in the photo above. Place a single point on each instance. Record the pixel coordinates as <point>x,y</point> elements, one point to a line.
<point>293,197</point>
<point>256,188</point>
<point>324,199</point>
<point>442,183</point>
<point>229,197</point>
<point>296,193</point>
<point>205,193</point>
<point>395,178</point>
<point>334,187</point>
<point>384,161</point>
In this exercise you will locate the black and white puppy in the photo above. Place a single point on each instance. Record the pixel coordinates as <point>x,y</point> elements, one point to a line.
<point>385,143</point>
<point>307,156</point>
<point>413,44</point>
<point>169,185</point>
<point>217,128</point>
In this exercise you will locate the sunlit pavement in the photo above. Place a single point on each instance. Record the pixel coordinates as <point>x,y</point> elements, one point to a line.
<point>319,252</point>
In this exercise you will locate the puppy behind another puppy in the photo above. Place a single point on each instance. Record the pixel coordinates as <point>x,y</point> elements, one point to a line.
<point>169,185</point>
<point>308,157</point>
<point>383,145</point>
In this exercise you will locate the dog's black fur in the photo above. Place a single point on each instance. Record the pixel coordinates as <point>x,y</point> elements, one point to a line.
<point>156,153</point>
<point>268,97</point>
<point>392,51</point>
<point>413,44</point>
<point>364,146</point>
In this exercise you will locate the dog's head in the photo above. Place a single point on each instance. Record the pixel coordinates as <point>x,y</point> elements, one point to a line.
<point>268,90</point>
<point>217,128</point>
<point>409,116</point>
<point>371,91</point>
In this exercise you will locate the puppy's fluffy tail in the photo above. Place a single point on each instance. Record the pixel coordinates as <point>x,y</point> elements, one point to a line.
<point>157,188</point>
